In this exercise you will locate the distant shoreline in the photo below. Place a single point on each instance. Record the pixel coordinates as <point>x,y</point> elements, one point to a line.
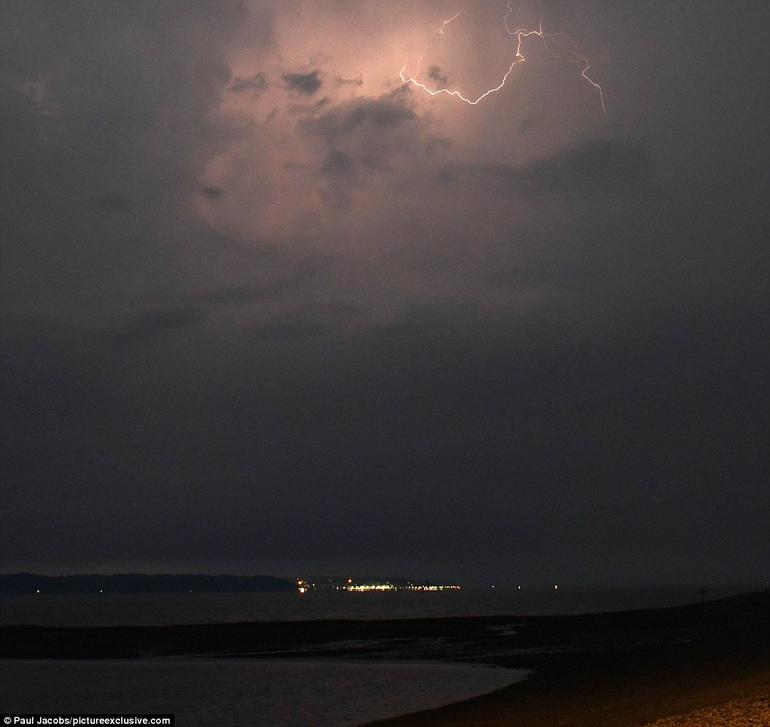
<point>136,583</point>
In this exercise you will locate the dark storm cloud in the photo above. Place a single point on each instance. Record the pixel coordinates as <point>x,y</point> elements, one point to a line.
<point>121,122</point>
<point>255,83</point>
<point>308,108</point>
<point>371,135</point>
<point>303,83</point>
<point>388,111</point>
<point>143,326</point>
<point>526,124</point>
<point>609,164</point>
<point>212,192</point>
<point>341,81</point>
<point>418,321</point>
<point>390,332</point>
<point>112,201</point>
<point>148,325</point>
<point>287,330</point>
<point>434,73</point>
<point>236,295</point>
<point>338,163</point>
<point>306,276</point>
<point>318,320</point>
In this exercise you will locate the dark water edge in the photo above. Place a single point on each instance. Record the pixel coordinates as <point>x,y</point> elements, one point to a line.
<point>514,640</point>
<point>559,651</point>
<point>245,692</point>
<point>200,608</point>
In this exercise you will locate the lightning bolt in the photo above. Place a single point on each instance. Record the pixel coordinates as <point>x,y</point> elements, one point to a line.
<point>597,86</point>
<point>444,23</point>
<point>520,35</point>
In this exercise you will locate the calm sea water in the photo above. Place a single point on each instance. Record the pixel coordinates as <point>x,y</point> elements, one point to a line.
<point>280,694</point>
<point>198,608</point>
<point>241,693</point>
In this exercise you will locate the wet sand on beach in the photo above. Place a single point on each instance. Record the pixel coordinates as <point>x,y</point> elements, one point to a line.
<point>629,700</point>
<point>748,713</point>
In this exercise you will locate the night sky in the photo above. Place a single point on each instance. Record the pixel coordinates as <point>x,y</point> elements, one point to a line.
<point>266,309</point>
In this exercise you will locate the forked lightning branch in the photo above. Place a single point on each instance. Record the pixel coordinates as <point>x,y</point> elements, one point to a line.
<point>558,44</point>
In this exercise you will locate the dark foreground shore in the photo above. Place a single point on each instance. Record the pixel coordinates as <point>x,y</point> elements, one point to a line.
<point>714,672</point>
<point>621,669</point>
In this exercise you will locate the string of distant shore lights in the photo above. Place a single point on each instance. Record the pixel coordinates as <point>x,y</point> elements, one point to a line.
<point>551,41</point>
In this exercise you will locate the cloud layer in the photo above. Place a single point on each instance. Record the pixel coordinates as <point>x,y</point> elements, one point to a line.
<point>281,312</point>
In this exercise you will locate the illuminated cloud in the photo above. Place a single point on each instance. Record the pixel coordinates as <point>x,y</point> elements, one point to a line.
<point>249,272</point>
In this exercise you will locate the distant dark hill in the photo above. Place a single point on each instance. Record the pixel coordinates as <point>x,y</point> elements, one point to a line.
<point>140,583</point>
